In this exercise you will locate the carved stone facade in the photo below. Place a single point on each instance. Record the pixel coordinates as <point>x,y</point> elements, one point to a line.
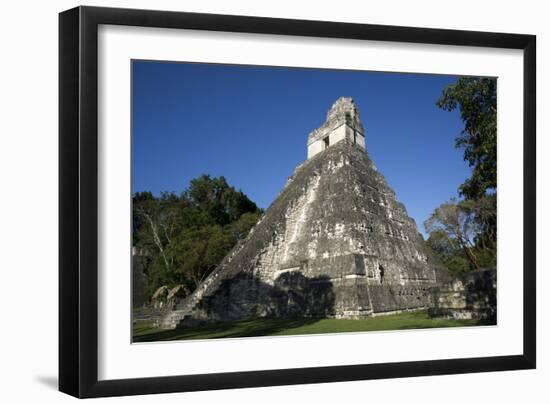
<point>342,123</point>
<point>335,243</point>
<point>472,295</point>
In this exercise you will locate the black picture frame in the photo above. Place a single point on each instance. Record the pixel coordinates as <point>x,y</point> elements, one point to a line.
<point>78,201</point>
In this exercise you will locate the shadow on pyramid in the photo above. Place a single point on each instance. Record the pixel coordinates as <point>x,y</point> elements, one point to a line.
<point>335,243</point>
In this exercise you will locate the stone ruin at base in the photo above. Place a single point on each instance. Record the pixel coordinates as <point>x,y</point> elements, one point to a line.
<point>335,243</point>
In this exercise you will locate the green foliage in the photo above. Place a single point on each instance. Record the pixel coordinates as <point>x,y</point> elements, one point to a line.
<point>457,234</point>
<point>453,229</point>
<point>185,237</point>
<point>240,228</point>
<point>195,252</point>
<point>463,234</point>
<point>476,98</point>
<point>218,200</point>
<point>484,210</point>
<point>448,252</point>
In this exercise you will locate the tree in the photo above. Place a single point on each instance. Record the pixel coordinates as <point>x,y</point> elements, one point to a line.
<point>196,252</point>
<point>147,220</point>
<point>218,200</point>
<point>454,223</point>
<point>448,252</point>
<point>185,237</point>
<point>240,228</point>
<point>484,210</point>
<point>476,100</point>
<point>458,234</point>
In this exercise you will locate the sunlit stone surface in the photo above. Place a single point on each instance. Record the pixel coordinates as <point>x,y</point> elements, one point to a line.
<point>335,243</point>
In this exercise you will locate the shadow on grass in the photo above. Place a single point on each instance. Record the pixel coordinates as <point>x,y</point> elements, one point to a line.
<point>444,324</point>
<point>300,326</point>
<point>233,329</point>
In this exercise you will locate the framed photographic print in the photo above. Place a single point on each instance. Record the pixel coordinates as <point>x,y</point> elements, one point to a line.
<point>251,201</point>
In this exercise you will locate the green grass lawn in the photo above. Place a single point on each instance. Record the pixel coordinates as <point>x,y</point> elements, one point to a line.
<point>143,332</point>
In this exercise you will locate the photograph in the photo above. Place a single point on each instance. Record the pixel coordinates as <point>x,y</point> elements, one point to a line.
<point>273,202</point>
<point>277,201</point>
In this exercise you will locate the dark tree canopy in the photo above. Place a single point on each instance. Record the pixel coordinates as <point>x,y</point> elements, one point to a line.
<point>476,99</point>
<point>185,237</point>
<point>463,234</point>
<point>218,200</point>
<point>458,234</point>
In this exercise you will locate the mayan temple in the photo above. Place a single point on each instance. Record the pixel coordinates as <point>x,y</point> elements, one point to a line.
<point>335,243</point>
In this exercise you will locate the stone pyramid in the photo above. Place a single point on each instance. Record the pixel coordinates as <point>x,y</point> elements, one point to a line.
<point>335,243</point>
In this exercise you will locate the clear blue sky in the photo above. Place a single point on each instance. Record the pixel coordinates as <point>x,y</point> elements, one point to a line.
<point>250,124</point>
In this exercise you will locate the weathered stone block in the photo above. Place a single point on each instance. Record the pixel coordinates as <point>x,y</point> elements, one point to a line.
<point>470,296</point>
<point>335,243</point>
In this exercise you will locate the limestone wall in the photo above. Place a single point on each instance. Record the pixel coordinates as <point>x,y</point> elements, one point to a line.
<point>342,132</point>
<point>471,296</point>
<point>342,123</point>
<point>335,243</point>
